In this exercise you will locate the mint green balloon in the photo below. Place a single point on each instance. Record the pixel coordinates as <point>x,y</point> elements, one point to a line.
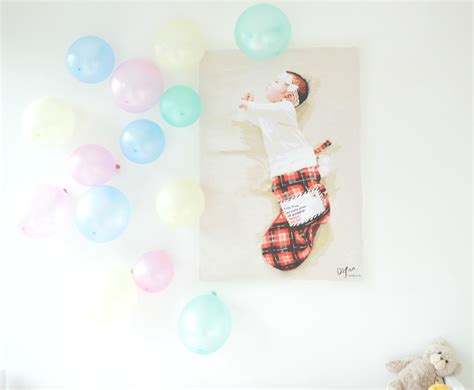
<point>180,106</point>
<point>262,31</point>
<point>205,324</point>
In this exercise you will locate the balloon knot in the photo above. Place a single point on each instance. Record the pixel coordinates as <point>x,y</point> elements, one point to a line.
<point>117,166</point>
<point>65,190</point>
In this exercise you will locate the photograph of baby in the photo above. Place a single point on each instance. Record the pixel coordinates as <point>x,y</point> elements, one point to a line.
<point>279,166</point>
<point>296,182</point>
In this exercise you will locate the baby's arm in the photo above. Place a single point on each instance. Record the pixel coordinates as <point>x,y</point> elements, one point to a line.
<point>250,105</point>
<point>281,111</point>
<point>243,114</point>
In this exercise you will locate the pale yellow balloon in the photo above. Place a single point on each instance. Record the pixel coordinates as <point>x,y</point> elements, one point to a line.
<point>48,121</point>
<point>119,300</point>
<point>180,202</point>
<point>179,45</point>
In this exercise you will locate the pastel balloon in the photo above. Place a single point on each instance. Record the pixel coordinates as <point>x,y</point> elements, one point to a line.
<point>136,85</point>
<point>180,202</point>
<point>262,31</point>
<point>102,213</point>
<point>48,121</point>
<point>142,141</point>
<point>90,59</point>
<point>179,45</point>
<point>205,324</point>
<point>48,212</point>
<point>119,300</point>
<point>154,271</point>
<point>180,106</point>
<point>92,165</point>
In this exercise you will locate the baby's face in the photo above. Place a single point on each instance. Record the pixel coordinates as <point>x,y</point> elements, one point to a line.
<point>276,90</point>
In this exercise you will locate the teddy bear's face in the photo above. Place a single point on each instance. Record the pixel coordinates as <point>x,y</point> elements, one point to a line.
<point>443,358</point>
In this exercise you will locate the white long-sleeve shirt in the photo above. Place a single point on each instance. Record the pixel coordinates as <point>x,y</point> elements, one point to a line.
<point>286,147</point>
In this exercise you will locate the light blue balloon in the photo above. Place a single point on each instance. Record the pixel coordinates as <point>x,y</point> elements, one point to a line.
<point>205,324</point>
<point>90,59</point>
<point>262,31</point>
<point>180,106</point>
<point>102,213</point>
<point>142,141</point>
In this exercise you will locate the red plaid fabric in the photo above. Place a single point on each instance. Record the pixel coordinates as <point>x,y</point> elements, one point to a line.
<point>286,247</point>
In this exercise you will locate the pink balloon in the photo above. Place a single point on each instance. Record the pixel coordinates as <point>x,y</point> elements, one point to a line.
<point>49,211</point>
<point>92,165</point>
<point>154,271</point>
<point>137,85</point>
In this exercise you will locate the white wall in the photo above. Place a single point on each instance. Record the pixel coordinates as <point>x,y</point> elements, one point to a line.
<point>416,102</point>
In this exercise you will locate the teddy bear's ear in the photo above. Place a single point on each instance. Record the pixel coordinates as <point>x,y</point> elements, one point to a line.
<point>440,341</point>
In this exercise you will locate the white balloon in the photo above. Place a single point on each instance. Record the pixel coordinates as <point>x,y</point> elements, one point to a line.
<point>180,202</point>
<point>179,45</point>
<point>48,121</point>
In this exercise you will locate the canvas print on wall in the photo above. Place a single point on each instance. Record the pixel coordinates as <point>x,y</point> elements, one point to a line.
<point>280,166</point>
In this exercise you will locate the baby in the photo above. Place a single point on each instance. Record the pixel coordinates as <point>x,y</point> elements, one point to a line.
<point>296,181</point>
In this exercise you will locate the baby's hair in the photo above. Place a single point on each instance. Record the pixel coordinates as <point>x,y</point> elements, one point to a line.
<point>303,86</point>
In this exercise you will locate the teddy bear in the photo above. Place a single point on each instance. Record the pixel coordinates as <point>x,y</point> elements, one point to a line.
<point>438,361</point>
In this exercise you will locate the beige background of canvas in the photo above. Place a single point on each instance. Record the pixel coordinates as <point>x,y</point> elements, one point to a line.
<point>234,170</point>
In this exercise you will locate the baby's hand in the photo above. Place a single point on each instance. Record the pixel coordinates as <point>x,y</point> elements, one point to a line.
<point>248,96</point>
